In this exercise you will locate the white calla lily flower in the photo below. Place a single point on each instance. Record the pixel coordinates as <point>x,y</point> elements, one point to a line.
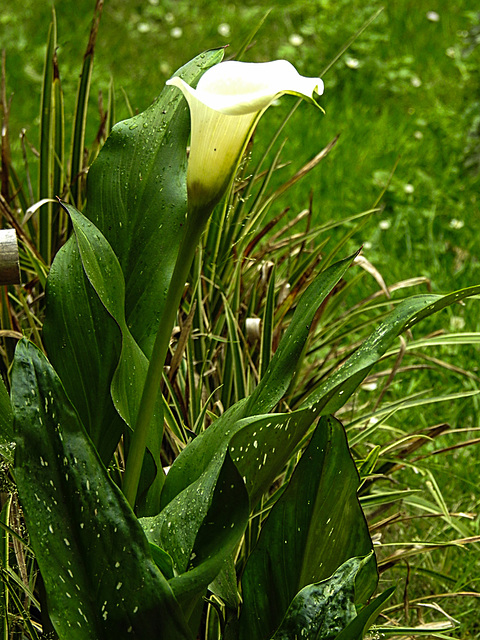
<point>225,107</point>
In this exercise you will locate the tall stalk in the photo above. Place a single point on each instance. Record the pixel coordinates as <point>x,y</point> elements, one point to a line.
<point>195,224</point>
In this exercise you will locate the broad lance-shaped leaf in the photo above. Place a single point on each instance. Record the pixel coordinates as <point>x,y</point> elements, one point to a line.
<point>84,344</point>
<point>336,390</point>
<point>105,275</point>
<point>324,610</point>
<point>100,579</point>
<point>260,446</point>
<point>201,528</point>
<point>194,459</point>
<point>180,528</point>
<point>136,193</point>
<point>315,526</point>
<point>136,196</point>
<point>122,383</point>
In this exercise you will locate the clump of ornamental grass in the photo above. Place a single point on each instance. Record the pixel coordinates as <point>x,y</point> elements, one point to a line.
<point>54,167</point>
<point>251,298</point>
<point>253,265</point>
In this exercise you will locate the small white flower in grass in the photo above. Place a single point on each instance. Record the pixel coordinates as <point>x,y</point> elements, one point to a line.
<point>416,82</point>
<point>457,323</point>
<point>418,135</point>
<point>165,68</point>
<point>409,188</point>
<point>352,63</point>
<point>456,224</point>
<point>229,100</point>
<point>176,32</point>
<point>384,224</point>
<point>433,16</point>
<point>224,29</point>
<point>144,27</point>
<point>295,39</point>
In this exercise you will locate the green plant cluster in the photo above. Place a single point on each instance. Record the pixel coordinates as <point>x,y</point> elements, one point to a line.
<point>272,333</point>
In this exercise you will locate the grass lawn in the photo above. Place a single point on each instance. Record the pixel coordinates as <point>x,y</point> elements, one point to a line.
<point>405,94</point>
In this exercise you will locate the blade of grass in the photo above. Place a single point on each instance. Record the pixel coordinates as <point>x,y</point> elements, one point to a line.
<point>351,40</point>
<point>4,563</point>
<point>406,403</point>
<point>59,155</point>
<point>47,143</point>
<point>111,119</point>
<point>266,340</point>
<point>246,43</point>
<point>5,144</point>
<point>80,118</point>
<point>23,614</point>
<point>236,351</point>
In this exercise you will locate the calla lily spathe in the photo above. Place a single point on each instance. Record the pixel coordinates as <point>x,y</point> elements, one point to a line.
<point>225,107</point>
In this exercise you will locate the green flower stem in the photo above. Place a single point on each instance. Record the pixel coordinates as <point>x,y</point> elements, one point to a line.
<point>195,224</point>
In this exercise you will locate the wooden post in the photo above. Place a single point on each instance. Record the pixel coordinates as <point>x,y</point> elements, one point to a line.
<point>9,265</point>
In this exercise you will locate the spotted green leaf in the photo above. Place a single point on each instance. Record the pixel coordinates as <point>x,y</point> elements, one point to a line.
<point>218,495</point>
<point>322,611</point>
<point>315,526</point>
<point>259,445</point>
<point>100,579</point>
<point>201,527</point>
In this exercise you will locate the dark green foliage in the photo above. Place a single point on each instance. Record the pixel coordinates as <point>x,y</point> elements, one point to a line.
<point>201,529</point>
<point>128,179</point>
<point>314,527</point>
<point>94,558</point>
<point>323,611</point>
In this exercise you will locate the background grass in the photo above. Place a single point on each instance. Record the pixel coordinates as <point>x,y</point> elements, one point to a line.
<point>405,95</point>
<point>407,91</point>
